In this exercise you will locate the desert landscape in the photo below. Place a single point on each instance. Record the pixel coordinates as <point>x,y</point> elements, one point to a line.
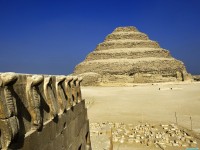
<point>140,104</point>
<point>100,75</point>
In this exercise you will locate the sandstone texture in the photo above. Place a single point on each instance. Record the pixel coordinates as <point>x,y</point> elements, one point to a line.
<point>129,56</point>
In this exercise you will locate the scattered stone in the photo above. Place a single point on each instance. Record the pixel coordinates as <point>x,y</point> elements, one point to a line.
<point>147,134</point>
<point>196,77</point>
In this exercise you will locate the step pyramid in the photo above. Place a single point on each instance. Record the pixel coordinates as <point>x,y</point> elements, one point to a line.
<point>129,56</point>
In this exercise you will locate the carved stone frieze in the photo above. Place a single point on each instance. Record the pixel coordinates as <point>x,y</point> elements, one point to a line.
<point>29,102</point>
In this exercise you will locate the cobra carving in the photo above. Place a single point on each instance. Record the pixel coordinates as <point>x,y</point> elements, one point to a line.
<point>49,96</point>
<point>68,91</point>
<point>9,124</point>
<point>33,98</point>
<point>60,95</point>
<point>74,90</point>
<point>78,89</point>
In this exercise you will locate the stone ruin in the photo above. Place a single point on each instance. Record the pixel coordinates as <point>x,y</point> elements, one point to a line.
<point>196,77</point>
<point>129,56</point>
<point>42,112</point>
<point>145,135</point>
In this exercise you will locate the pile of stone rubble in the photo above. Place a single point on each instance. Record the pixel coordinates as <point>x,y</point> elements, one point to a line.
<point>163,135</point>
<point>101,136</point>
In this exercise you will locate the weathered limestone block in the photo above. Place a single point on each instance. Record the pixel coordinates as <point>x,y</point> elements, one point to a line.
<point>33,98</point>
<point>127,44</point>
<point>128,53</point>
<point>179,76</point>
<point>125,29</point>
<point>128,67</point>
<point>126,35</point>
<point>186,76</point>
<point>90,78</point>
<point>196,77</point>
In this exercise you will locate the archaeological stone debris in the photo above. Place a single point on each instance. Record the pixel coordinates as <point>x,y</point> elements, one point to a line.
<point>129,56</point>
<point>196,77</point>
<point>149,136</point>
<point>42,112</point>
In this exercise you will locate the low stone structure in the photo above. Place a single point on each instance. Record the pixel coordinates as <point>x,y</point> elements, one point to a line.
<point>196,77</point>
<point>42,112</point>
<point>129,56</point>
<point>149,136</point>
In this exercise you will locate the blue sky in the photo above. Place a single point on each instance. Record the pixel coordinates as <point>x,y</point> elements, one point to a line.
<point>52,37</point>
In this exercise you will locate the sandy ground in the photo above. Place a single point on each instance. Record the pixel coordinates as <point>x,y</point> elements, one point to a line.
<point>155,103</point>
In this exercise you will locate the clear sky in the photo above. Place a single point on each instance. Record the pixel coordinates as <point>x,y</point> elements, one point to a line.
<point>52,37</point>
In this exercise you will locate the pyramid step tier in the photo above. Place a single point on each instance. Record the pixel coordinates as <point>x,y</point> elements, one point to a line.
<point>126,29</point>
<point>126,35</point>
<point>127,44</point>
<point>128,53</point>
<point>131,66</point>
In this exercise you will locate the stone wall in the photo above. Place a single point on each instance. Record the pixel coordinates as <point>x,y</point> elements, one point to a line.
<point>42,112</point>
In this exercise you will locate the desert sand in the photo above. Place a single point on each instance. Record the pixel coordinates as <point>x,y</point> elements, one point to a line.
<point>145,103</point>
